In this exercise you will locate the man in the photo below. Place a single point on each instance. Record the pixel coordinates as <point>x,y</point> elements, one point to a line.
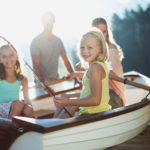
<point>46,48</point>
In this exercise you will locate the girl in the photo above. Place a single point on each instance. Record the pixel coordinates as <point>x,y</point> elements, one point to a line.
<point>117,89</point>
<point>11,79</point>
<point>94,96</point>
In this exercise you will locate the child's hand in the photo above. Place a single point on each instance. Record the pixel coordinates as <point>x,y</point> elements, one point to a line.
<point>77,82</point>
<point>60,102</point>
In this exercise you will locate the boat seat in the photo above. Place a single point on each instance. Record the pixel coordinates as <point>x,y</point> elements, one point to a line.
<point>43,113</point>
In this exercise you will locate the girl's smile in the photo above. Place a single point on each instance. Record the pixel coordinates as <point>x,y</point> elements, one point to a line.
<point>8,58</point>
<point>89,48</point>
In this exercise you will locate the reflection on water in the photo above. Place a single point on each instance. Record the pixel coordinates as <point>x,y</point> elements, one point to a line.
<point>34,92</point>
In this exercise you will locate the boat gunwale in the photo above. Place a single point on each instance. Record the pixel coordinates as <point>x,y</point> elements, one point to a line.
<point>30,125</point>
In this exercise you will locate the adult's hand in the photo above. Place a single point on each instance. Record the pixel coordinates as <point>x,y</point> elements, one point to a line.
<point>76,81</point>
<point>79,67</point>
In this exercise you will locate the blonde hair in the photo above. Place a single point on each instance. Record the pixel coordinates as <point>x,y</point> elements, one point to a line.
<point>110,40</point>
<point>103,56</point>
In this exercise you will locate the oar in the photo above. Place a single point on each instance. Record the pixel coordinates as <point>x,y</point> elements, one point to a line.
<point>126,81</point>
<point>48,89</point>
<point>112,77</point>
<point>48,83</point>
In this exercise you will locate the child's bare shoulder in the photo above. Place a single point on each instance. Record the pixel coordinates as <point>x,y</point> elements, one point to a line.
<point>96,71</point>
<point>96,67</point>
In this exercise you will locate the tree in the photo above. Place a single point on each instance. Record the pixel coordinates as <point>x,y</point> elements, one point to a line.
<point>132,33</point>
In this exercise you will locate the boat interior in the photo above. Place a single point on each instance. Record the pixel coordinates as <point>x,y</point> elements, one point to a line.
<point>44,107</point>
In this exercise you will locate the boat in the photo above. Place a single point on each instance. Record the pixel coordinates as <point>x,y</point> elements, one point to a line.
<point>87,131</point>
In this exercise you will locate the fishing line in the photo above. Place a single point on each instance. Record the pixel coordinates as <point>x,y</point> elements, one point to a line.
<point>147,95</point>
<point>48,89</point>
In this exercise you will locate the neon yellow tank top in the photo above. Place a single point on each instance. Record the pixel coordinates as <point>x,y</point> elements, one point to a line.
<point>86,91</point>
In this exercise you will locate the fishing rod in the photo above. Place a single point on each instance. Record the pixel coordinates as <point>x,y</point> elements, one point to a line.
<point>48,89</point>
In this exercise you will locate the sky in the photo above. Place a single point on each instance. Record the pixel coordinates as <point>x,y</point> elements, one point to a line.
<point>21,19</point>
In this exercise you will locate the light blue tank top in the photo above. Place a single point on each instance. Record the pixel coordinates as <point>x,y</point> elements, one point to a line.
<point>9,91</point>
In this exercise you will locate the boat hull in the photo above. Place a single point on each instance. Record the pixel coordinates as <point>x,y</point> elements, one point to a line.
<point>95,135</point>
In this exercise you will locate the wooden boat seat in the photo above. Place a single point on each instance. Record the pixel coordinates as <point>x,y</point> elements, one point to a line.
<point>44,113</point>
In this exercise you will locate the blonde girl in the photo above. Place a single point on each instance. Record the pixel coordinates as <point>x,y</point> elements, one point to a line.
<point>11,79</point>
<point>94,96</point>
<point>116,89</point>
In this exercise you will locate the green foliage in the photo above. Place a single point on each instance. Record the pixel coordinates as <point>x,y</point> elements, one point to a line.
<point>132,33</point>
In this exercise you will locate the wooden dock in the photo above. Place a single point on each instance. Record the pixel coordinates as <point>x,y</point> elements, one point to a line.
<point>140,142</point>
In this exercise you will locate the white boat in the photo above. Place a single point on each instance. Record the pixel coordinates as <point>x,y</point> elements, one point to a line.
<point>89,131</point>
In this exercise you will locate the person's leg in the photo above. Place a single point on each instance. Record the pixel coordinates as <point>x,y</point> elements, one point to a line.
<point>115,101</point>
<point>63,114</point>
<point>16,109</point>
<point>27,111</point>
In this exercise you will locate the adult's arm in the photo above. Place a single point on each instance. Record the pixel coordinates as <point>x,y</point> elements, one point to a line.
<point>74,75</point>
<point>36,66</point>
<point>67,63</point>
<point>24,83</point>
<point>69,67</point>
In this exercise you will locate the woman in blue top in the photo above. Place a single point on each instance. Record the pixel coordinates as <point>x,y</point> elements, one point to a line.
<point>11,79</point>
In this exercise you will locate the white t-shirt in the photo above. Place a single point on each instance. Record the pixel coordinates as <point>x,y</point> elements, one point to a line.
<point>49,51</point>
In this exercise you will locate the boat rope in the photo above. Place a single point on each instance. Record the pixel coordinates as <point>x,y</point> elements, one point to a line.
<point>49,90</point>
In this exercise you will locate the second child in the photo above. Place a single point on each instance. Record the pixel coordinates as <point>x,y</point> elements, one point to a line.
<point>11,79</point>
<point>94,97</point>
